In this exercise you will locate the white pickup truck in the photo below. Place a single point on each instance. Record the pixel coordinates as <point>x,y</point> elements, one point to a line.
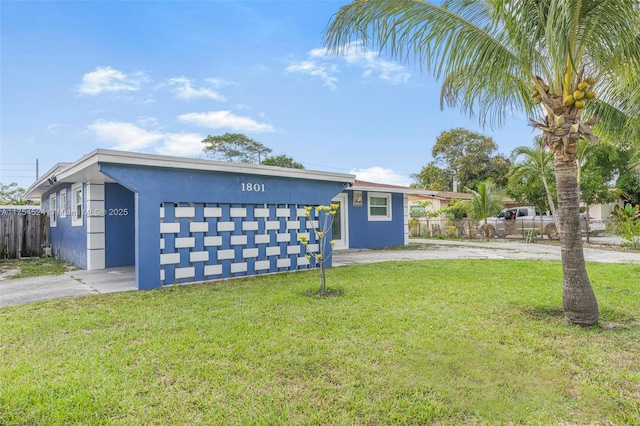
<point>518,220</point>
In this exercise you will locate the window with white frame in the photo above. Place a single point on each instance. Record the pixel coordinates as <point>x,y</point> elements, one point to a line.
<point>53,211</point>
<point>379,205</point>
<point>63,203</point>
<point>76,205</point>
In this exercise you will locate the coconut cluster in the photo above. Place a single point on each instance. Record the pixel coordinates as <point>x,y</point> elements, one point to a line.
<point>537,97</point>
<point>581,95</point>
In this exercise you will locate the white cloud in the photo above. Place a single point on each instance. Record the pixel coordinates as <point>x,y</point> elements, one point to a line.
<point>54,128</point>
<point>225,119</point>
<point>355,54</point>
<point>181,144</point>
<point>183,88</point>
<point>381,175</point>
<point>147,122</point>
<point>318,64</point>
<point>132,137</point>
<point>220,82</point>
<point>107,79</point>
<point>323,71</point>
<point>124,136</point>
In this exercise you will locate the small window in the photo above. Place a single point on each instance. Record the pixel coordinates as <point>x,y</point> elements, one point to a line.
<point>53,211</point>
<point>63,203</point>
<point>76,200</point>
<point>379,206</point>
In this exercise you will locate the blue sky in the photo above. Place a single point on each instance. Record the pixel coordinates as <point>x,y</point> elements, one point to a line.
<point>158,77</point>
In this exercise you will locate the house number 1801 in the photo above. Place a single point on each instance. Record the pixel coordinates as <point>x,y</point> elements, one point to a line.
<point>253,187</point>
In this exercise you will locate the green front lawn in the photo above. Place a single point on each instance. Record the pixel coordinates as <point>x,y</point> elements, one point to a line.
<point>446,342</point>
<point>25,268</point>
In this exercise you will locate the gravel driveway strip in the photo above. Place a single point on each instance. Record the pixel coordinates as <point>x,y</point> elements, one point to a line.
<point>500,249</point>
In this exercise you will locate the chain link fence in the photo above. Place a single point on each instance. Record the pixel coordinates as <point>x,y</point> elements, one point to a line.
<point>472,229</point>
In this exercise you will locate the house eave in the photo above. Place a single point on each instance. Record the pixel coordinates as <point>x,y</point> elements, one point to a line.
<point>87,169</point>
<point>411,191</point>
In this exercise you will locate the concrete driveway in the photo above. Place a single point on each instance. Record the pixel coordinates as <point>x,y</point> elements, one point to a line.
<point>69,284</point>
<point>82,283</point>
<point>495,249</point>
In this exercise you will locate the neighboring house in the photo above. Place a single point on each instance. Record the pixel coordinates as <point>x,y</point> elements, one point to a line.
<point>443,199</point>
<point>603,211</point>
<point>179,220</point>
<point>439,200</point>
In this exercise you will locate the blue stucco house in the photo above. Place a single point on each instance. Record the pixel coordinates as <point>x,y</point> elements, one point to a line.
<point>178,220</point>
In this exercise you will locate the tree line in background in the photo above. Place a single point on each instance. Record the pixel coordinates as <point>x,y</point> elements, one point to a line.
<point>239,148</point>
<point>606,171</point>
<point>11,194</point>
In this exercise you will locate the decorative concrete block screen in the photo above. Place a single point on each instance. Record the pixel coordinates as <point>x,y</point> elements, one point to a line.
<point>204,241</point>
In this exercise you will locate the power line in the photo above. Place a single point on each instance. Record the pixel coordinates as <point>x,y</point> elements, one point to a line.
<point>19,164</point>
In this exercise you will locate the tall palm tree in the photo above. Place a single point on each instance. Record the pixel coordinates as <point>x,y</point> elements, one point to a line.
<point>499,56</point>
<point>538,161</point>
<point>487,201</point>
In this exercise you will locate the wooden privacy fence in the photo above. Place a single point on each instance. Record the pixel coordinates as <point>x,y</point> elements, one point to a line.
<point>22,232</point>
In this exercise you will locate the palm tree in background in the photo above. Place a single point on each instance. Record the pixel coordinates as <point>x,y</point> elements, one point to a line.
<point>537,162</point>
<point>567,64</point>
<point>487,201</point>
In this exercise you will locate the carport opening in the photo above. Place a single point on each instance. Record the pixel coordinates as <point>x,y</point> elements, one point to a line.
<point>120,230</point>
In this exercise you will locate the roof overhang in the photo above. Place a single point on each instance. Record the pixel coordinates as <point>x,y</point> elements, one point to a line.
<point>435,195</point>
<point>381,188</point>
<point>87,169</point>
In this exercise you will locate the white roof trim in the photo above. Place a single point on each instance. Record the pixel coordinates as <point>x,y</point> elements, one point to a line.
<point>152,160</point>
<point>48,175</point>
<point>66,171</point>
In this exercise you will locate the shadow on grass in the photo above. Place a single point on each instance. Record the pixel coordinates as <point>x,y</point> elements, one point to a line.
<point>609,318</point>
<point>545,312</point>
<point>330,292</point>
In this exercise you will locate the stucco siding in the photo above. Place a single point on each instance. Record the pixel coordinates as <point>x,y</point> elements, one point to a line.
<point>120,237</point>
<point>195,190</point>
<point>364,233</point>
<point>68,243</point>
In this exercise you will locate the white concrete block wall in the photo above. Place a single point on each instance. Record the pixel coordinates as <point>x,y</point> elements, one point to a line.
<point>95,214</point>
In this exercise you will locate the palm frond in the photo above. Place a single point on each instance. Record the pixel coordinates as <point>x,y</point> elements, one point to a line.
<point>459,41</point>
<point>488,53</point>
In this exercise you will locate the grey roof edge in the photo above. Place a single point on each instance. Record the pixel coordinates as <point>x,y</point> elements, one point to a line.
<point>41,180</point>
<point>407,190</point>
<point>65,170</point>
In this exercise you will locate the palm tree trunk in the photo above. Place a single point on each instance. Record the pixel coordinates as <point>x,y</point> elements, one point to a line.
<point>578,300</point>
